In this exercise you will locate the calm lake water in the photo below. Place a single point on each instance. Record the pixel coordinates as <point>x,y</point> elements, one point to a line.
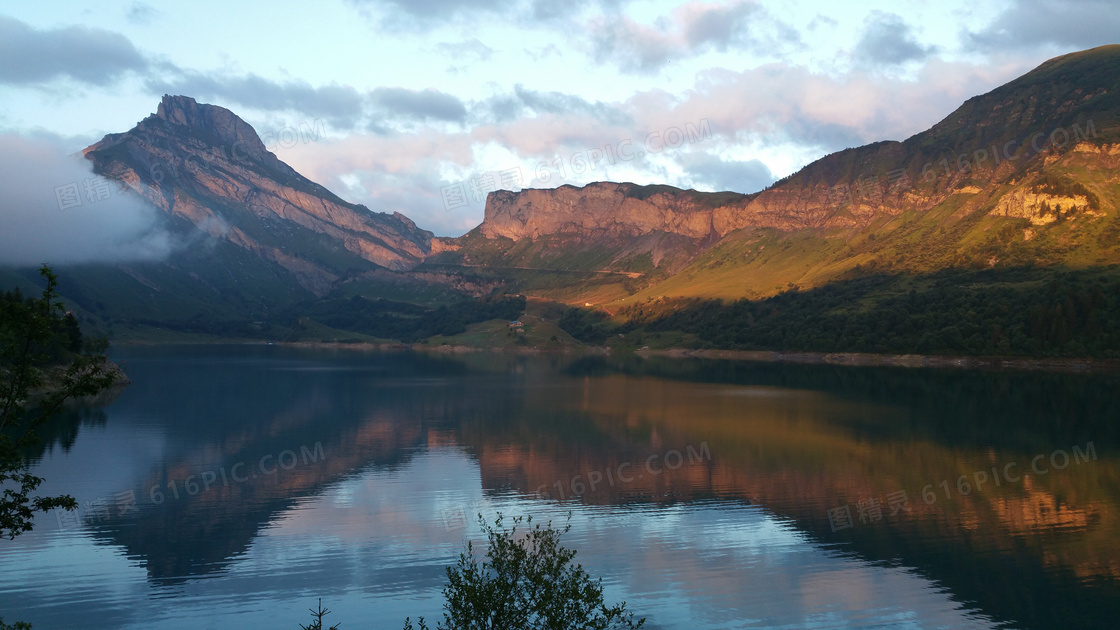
<point>229,487</point>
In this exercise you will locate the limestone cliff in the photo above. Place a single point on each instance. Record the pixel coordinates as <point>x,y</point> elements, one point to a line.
<point>614,209</point>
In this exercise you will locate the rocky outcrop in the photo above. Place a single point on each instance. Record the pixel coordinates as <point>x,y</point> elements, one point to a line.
<point>613,209</point>
<point>204,164</point>
<point>1041,208</point>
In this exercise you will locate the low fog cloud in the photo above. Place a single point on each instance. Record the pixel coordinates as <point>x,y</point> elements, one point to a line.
<point>41,221</point>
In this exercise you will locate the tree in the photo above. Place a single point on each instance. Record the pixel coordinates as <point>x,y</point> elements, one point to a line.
<point>40,369</point>
<point>317,624</point>
<point>528,582</point>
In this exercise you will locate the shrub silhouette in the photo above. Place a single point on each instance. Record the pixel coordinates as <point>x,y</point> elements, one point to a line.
<point>527,581</point>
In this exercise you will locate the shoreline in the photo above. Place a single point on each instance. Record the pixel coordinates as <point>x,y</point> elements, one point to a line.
<point>854,359</point>
<point>861,359</point>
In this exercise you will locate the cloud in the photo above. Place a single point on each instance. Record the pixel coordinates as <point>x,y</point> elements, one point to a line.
<point>395,173</point>
<point>37,177</point>
<point>780,104</point>
<point>468,48</point>
<point>89,55</point>
<point>523,102</point>
<point>418,195</point>
<point>544,10</point>
<point>551,136</point>
<point>141,13</point>
<point>712,173</point>
<point>466,53</point>
<point>341,105</point>
<point>633,47</point>
<point>889,40</point>
<point>408,15</point>
<point>442,9</point>
<point>692,29</point>
<point>419,104</point>
<point>561,103</point>
<point>722,26</point>
<point>543,52</point>
<point>820,21</point>
<point>1027,24</point>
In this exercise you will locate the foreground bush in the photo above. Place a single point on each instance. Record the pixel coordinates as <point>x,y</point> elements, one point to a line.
<point>527,581</point>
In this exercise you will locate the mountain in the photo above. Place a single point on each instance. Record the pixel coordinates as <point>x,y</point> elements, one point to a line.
<point>204,164</point>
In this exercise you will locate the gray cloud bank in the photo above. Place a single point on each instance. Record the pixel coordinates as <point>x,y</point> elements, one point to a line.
<point>340,104</point>
<point>1029,24</point>
<point>90,55</point>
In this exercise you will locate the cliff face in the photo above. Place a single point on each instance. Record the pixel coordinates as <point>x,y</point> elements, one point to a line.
<point>204,164</point>
<point>624,209</point>
<point>603,208</point>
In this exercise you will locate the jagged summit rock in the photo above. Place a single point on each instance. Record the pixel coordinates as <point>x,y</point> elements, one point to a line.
<point>222,123</point>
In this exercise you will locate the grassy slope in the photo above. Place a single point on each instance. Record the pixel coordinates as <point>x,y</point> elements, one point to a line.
<point>539,330</point>
<point>398,288</point>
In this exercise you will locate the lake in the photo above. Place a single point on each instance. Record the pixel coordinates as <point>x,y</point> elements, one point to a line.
<point>232,486</point>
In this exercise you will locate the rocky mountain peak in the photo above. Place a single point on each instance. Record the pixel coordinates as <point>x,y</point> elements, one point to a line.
<point>221,123</point>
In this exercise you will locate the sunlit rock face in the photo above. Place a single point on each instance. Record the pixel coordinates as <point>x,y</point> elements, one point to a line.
<point>602,207</point>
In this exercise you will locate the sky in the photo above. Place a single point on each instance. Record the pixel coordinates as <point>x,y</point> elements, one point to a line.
<point>423,106</point>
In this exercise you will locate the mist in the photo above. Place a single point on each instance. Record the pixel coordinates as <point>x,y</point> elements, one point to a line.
<point>55,210</point>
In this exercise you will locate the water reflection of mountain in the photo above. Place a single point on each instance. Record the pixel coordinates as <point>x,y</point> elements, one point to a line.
<point>798,440</point>
<point>266,431</point>
<point>1033,409</point>
<point>802,441</point>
